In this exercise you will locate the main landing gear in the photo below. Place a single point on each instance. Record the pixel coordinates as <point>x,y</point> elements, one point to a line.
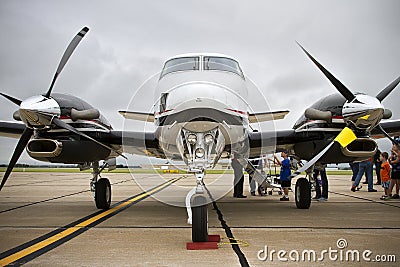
<point>303,193</point>
<point>196,205</point>
<point>101,188</point>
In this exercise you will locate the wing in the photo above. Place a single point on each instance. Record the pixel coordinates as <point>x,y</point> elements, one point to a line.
<point>392,127</point>
<point>307,140</point>
<point>267,116</point>
<point>271,141</point>
<point>140,116</point>
<point>11,129</point>
<point>137,143</point>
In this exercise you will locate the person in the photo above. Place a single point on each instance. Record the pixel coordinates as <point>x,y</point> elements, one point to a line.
<point>385,174</point>
<point>284,175</point>
<point>252,181</point>
<point>319,169</point>
<point>394,160</point>
<point>365,167</point>
<point>238,178</point>
<point>354,168</point>
<point>377,163</point>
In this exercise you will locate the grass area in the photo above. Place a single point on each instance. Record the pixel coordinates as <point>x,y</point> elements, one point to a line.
<point>138,170</point>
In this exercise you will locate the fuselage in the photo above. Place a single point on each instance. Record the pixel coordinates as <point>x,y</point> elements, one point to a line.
<point>201,95</point>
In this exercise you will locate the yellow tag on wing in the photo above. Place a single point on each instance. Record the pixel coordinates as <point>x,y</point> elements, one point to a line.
<point>345,137</point>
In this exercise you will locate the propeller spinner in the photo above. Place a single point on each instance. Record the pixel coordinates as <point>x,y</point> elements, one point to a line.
<point>360,111</point>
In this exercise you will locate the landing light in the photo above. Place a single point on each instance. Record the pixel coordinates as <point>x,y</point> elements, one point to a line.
<point>208,139</point>
<point>199,152</point>
<point>192,139</point>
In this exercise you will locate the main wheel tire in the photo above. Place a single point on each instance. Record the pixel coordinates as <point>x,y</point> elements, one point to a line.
<point>102,195</point>
<point>303,193</point>
<point>199,219</point>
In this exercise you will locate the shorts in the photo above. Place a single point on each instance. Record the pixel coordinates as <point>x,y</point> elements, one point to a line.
<point>286,184</point>
<point>395,175</point>
<point>386,184</point>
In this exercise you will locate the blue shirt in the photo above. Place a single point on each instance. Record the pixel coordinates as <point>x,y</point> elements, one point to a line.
<point>285,170</point>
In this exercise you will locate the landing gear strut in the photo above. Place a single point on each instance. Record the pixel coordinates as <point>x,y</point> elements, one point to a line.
<point>101,188</point>
<point>196,204</point>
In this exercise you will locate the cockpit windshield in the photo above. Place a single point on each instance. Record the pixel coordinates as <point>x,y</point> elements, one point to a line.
<point>187,63</point>
<point>180,64</point>
<point>223,64</point>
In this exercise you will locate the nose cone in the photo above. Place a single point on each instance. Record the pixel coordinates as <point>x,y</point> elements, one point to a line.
<point>38,111</point>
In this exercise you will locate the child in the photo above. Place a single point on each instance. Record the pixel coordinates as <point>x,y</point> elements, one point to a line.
<point>394,160</point>
<point>385,174</point>
<point>285,174</point>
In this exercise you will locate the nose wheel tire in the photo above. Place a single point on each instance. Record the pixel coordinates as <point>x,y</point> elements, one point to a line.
<point>303,193</point>
<point>199,219</point>
<point>102,195</point>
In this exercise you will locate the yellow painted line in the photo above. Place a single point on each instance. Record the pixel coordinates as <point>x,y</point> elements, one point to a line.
<point>29,250</point>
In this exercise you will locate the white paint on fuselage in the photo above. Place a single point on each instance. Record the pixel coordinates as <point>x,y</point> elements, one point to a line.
<point>223,91</point>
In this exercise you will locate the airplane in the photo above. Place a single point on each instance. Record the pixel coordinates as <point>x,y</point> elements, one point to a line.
<point>202,116</point>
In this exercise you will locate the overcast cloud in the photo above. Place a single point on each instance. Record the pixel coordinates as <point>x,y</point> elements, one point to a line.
<point>128,42</point>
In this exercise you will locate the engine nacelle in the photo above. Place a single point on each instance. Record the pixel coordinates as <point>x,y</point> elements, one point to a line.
<point>66,151</point>
<point>358,150</point>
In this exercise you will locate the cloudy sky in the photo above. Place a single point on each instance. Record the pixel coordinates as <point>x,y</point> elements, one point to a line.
<point>128,42</point>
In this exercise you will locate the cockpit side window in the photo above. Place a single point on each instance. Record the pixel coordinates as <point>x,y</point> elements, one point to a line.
<point>223,64</point>
<point>180,64</point>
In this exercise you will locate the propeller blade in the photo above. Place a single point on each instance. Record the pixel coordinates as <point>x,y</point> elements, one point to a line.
<point>387,90</point>
<point>387,135</point>
<point>344,138</point>
<point>68,52</point>
<point>339,86</point>
<point>68,127</point>
<point>12,99</point>
<point>23,141</point>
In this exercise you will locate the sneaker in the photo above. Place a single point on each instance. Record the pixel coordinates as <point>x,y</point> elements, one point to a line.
<point>353,188</point>
<point>284,199</point>
<point>359,187</point>
<point>372,190</point>
<point>253,193</point>
<point>365,182</point>
<point>383,197</point>
<point>322,199</point>
<point>395,196</point>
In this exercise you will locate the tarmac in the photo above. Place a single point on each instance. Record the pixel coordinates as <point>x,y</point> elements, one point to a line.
<point>50,219</point>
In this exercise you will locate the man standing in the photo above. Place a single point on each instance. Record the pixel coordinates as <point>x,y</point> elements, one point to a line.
<point>378,164</point>
<point>320,169</point>
<point>365,167</point>
<point>238,178</point>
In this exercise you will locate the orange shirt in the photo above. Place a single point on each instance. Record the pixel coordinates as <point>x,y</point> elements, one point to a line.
<point>385,172</point>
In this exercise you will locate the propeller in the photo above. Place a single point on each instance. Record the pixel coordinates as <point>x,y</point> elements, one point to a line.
<point>346,136</point>
<point>339,86</point>
<point>52,115</point>
<point>68,52</point>
<point>387,90</point>
<point>12,99</point>
<point>23,141</point>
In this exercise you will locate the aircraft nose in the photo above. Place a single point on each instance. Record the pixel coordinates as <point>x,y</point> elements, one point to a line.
<point>201,93</point>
